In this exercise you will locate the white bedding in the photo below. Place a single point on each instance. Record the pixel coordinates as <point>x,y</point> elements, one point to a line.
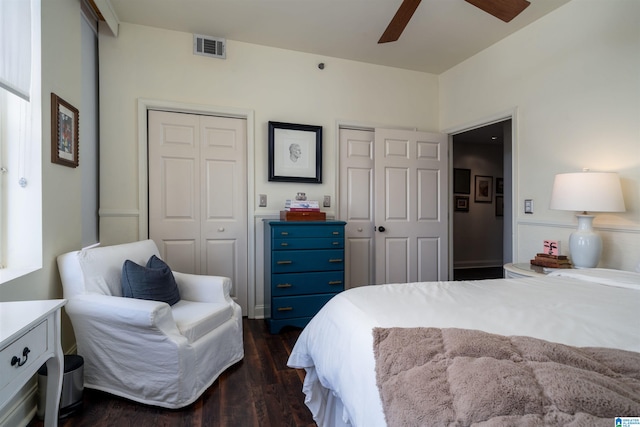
<point>336,347</point>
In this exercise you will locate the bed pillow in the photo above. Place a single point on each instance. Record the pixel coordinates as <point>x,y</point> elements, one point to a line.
<point>154,281</point>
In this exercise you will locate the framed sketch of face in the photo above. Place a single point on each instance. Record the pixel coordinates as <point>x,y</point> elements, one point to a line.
<point>295,152</point>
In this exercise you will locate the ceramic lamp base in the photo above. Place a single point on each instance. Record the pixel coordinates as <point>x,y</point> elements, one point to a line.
<point>585,245</point>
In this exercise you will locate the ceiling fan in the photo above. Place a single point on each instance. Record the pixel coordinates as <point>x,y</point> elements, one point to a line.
<point>505,10</point>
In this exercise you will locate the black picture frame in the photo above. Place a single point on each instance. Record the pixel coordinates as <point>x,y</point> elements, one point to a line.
<point>462,181</point>
<point>499,206</point>
<point>461,203</point>
<point>483,189</point>
<point>295,153</point>
<point>499,185</point>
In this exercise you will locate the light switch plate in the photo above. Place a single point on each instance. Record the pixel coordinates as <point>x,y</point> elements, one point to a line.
<point>263,201</point>
<point>528,206</point>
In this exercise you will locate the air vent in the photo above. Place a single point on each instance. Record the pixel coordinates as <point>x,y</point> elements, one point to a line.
<point>209,46</point>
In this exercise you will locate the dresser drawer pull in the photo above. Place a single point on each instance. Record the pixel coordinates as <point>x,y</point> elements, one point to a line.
<point>284,244</point>
<point>16,361</point>
<point>284,262</point>
<point>335,282</point>
<point>335,233</point>
<point>284,285</point>
<point>336,260</point>
<point>284,233</point>
<point>285,308</point>
<point>336,243</point>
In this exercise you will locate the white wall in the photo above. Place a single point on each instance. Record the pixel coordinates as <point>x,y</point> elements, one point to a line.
<point>477,234</point>
<point>574,78</point>
<point>274,84</point>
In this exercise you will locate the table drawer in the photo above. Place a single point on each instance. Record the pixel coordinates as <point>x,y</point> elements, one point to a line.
<point>298,261</point>
<point>314,243</point>
<point>35,340</point>
<point>307,283</point>
<point>298,306</point>
<point>316,230</point>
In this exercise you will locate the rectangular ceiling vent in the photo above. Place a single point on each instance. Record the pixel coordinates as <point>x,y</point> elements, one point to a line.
<point>214,47</point>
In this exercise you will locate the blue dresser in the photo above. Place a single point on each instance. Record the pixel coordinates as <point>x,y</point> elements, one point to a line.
<point>304,268</point>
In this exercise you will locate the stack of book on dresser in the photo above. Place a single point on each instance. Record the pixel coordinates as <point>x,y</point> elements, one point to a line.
<point>302,210</point>
<point>551,261</point>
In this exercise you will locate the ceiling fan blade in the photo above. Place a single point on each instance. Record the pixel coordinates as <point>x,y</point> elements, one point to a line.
<point>505,10</point>
<point>399,21</point>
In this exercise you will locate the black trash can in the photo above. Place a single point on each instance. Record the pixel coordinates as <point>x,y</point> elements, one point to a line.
<point>72,386</point>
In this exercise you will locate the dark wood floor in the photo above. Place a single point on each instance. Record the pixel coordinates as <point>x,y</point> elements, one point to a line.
<point>478,273</point>
<point>258,391</point>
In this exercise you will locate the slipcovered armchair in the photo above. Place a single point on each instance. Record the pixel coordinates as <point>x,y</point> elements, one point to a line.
<point>144,350</point>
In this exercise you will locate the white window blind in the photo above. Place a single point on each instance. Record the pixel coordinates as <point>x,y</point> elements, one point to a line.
<point>15,46</point>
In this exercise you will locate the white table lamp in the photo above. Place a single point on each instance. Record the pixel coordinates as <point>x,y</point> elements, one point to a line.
<point>586,191</point>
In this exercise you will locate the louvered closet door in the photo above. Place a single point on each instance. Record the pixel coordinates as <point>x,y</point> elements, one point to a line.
<point>197,195</point>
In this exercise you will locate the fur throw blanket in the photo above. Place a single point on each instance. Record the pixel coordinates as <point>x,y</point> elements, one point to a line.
<point>460,377</point>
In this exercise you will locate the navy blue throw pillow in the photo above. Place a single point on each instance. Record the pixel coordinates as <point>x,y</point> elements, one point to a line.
<point>154,281</point>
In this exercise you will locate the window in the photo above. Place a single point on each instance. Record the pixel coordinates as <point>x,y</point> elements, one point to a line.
<point>20,139</point>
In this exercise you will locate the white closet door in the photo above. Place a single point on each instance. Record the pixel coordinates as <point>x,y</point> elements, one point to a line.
<point>357,198</point>
<point>411,206</point>
<point>396,180</point>
<point>198,195</point>
<point>223,152</point>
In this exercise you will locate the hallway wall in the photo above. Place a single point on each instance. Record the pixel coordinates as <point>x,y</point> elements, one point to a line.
<point>478,233</point>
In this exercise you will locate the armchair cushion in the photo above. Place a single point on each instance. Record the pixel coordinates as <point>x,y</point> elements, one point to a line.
<point>154,282</point>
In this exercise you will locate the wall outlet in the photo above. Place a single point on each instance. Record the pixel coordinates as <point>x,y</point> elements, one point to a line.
<point>326,202</point>
<point>262,201</point>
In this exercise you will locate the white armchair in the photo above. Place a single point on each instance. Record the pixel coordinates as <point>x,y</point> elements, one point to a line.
<point>143,350</point>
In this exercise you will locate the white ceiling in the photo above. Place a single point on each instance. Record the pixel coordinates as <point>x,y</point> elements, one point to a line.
<point>441,34</point>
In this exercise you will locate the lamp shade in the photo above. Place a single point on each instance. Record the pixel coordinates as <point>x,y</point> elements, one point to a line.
<point>587,191</point>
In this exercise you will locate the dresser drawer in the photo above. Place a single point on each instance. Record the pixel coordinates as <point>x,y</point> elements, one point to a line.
<point>298,306</point>
<point>314,243</point>
<point>304,231</point>
<point>307,283</point>
<point>35,340</point>
<point>297,261</point>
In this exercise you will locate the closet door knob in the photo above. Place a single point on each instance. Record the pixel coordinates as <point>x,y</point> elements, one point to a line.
<point>381,229</point>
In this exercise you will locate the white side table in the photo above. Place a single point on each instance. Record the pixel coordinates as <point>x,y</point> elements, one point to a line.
<point>525,269</point>
<point>29,337</point>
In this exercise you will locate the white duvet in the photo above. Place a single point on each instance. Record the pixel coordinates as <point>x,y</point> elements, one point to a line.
<point>589,308</point>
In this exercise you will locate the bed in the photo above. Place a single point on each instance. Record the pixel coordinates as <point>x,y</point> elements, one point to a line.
<point>581,308</point>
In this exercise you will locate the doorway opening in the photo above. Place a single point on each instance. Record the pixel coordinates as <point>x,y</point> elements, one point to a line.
<point>481,213</point>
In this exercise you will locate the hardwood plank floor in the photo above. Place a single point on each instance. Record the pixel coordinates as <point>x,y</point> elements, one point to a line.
<point>258,391</point>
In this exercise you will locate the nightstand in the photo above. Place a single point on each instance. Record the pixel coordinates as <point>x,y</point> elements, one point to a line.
<point>525,269</point>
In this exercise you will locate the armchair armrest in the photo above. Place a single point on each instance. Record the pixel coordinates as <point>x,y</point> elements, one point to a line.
<point>201,288</point>
<point>133,316</point>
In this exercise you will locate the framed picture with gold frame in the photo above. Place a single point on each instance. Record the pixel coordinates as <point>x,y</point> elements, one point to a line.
<point>64,132</point>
